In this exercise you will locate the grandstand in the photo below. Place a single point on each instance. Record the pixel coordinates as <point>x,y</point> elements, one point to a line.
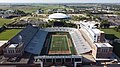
<point>36,44</point>
<point>80,44</point>
<point>27,34</point>
<point>16,46</point>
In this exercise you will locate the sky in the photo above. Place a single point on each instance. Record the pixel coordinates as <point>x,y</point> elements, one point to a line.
<point>59,1</point>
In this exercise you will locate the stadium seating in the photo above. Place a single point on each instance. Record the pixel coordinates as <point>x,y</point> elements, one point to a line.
<point>36,44</point>
<point>80,44</point>
<point>63,29</point>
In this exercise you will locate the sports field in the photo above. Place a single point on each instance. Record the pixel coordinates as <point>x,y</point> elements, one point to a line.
<point>8,34</point>
<point>59,45</point>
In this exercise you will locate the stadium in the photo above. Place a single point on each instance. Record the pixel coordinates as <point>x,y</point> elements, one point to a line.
<point>59,39</point>
<point>58,46</point>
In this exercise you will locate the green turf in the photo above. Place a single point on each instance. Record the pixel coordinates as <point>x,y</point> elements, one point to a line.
<point>3,21</point>
<point>112,32</point>
<point>59,43</point>
<point>72,49</point>
<point>8,34</point>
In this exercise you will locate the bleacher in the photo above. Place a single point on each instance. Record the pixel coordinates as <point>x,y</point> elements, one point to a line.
<point>33,39</point>
<point>36,44</point>
<point>26,35</point>
<point>80,44</point>
<point>55,29</point>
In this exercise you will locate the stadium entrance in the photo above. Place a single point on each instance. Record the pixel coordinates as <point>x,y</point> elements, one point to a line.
<point>69,61</point>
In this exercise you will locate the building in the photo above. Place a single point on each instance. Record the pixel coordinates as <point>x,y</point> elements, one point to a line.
<point>72,60</point>
<point>58,16</point>
<point>104,50</point>
<point>13,50</point>
<point>95,34</point>
<point>101,50</point>
<point>39,11</point>
<point>2,45</point>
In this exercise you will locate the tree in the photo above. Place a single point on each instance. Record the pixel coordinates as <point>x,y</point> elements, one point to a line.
<point>51,22</point>
<point>19,12</point>
<point>105,24</point>
<point>117,28</point>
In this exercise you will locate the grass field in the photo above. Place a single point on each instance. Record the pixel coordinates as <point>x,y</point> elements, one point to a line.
<point>111,33</point>
<point>59,43</point>
<point>3,21</point>
<point>8,34</point>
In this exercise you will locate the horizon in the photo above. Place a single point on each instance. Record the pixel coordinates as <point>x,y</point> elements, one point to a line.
<point>59,1</point>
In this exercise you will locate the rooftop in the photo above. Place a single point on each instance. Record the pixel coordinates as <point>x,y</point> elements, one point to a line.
<point>103,45</point>
<point>58,16</point>
<point>96,31</point>
<point>13,45</point>
<point>2,43</point>
<point>89,24</point>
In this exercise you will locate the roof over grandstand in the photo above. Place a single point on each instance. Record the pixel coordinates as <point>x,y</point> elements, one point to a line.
<point>59,16</point>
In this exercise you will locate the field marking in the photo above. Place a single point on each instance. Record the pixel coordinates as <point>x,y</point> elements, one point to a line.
<point>68,44</point>
<point>60,51</point>
<point>63,41</point>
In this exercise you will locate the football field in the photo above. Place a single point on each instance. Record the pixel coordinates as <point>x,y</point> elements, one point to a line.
<point>59,44</point>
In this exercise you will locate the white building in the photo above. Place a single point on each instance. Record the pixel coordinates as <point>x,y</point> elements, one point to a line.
<point>100,48</point>
<point>95,34</point>
<point>58,16</point>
